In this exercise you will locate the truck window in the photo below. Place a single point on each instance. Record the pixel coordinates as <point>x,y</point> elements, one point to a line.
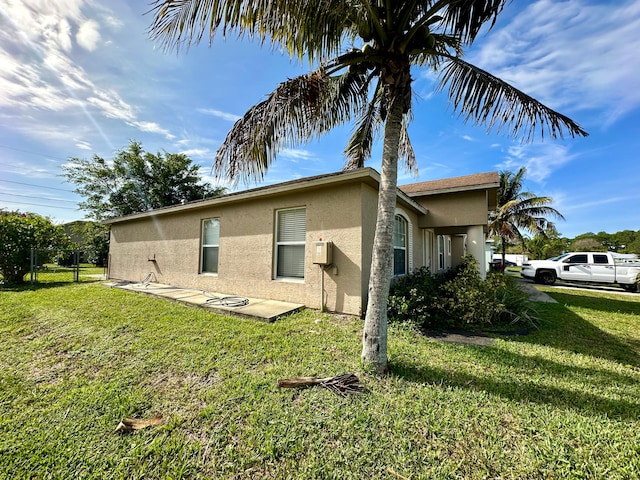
<point>600,259</point>
<point>577,259</point>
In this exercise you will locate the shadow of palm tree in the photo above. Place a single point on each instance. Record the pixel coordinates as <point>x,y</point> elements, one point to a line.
<point>524,386</point>
<point>593,387</point>
<point>563,329</point>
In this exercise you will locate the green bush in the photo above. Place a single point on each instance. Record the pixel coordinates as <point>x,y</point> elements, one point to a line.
<point>19,233</point>
<point>459,299</point>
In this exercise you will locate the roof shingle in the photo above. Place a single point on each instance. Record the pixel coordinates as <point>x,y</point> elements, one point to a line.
<point>466,182</point>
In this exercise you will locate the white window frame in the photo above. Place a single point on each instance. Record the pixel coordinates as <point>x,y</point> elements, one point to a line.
<point>208,246</point>
<point>300,242</point>
<point>442,264</point>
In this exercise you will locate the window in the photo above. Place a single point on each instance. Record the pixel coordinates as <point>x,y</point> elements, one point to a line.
<point>441,252</point>
<point>582,258</point>
<point>399,246</point>
<point>210,245</point>
<point>291,229</point>
<point>600,259</point>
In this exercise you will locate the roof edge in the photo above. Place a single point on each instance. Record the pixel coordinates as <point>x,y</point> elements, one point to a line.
<point>366,174</point>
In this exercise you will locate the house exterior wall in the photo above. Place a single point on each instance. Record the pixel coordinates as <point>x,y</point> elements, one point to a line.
<point>340,208</point>
<point>450,210</point>
<point>246,248</point>
<point>416,253</point>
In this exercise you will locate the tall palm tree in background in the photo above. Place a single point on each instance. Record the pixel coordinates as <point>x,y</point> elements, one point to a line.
<point>361,52</point>
<point>517,210</point>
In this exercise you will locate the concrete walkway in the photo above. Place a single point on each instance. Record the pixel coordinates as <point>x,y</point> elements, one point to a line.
<point>256,308</point>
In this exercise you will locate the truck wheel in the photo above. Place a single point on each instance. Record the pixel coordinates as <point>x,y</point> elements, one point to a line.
<point>546,277</point>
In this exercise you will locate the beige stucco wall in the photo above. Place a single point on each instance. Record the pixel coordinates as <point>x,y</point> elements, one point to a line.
<point>246,248</point>
<point>369,215</point>
<point>341,211</point>
<point>457,209</point>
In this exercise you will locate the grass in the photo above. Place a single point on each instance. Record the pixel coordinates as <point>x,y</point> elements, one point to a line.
<point>562,402</point>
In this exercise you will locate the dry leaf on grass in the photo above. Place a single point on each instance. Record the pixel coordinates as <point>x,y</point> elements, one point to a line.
<point>129,424</point>
<point>340,384</point>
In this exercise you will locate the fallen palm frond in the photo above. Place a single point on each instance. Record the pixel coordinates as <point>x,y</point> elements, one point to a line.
<point>130,424</point>
<point>340,384</point>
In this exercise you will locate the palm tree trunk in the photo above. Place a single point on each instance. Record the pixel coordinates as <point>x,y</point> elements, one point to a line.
<point>374,335</point>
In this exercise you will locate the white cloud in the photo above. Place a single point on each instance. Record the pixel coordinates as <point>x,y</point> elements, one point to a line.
<point>27,169</point>
<point>152,127</point>
<point>540,160</point>
<point>570,54</point>
<point>230,117</point>
<point>296,154</point>
<point>197,152</point>
<point>88,35</point>
<point>40,73</point>
<point>111,105</point>
<point>82,145</point>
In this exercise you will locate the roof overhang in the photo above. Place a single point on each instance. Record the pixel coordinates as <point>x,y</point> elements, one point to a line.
<point>479,181</point>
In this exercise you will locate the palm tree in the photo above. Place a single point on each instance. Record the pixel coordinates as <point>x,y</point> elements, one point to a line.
<point>363,52</point>
<point>517,210</point>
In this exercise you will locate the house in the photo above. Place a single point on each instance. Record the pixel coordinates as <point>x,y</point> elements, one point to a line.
<point>263,242</point>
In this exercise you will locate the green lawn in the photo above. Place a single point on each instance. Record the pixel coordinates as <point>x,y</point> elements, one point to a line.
<point>563,402</point>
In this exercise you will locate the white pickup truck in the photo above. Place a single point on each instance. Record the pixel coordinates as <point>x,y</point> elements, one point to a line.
<point>591,267</point>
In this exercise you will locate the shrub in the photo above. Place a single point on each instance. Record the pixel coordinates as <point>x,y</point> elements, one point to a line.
<point>459,298</point>
<point>19,233</point>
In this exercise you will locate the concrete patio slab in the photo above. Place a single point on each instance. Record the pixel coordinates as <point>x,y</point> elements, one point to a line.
<point>226,304</point>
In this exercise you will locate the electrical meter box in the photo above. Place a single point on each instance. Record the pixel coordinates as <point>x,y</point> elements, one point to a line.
<point>323,253</point>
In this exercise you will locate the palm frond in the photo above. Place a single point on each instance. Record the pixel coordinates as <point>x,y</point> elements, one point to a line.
<point>298,110</point>
<point>520,210</point>
<point>358,149</point>
<point>310,28</point>
<point>465,18</point>
<point>406,152</point>
<point>486,99</point>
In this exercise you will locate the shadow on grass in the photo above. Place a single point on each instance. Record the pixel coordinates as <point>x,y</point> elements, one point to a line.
<point>563,329</point>
<point>25,287</point>
<point>598,303</point>
<point>548,393</point>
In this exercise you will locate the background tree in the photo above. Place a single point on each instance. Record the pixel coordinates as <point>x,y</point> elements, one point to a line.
<point>519,210</point>
<point>364,51</point>
<point>136,181</point>
<point>92,238</point>
<point>547,246</point>
<point>587,242</point>
<point>19,233</point>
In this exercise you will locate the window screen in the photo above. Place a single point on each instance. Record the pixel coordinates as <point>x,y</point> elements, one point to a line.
<point>291,229</point>
<point>399,246</point>
<point>210,245</point>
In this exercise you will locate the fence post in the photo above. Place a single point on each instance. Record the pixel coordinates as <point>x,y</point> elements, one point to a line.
<point>31,279</point>
<point>76,266</point>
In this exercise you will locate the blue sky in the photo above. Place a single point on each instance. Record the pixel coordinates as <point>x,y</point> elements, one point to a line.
<point>82,77</point>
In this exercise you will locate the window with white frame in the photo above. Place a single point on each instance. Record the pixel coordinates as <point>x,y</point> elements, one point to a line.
<point>291,229</point>
<point>210,245</point>
<point>400,228</point>
<point>441,252</point>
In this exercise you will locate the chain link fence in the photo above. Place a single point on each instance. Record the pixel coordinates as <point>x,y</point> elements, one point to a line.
<point>61,266</point>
